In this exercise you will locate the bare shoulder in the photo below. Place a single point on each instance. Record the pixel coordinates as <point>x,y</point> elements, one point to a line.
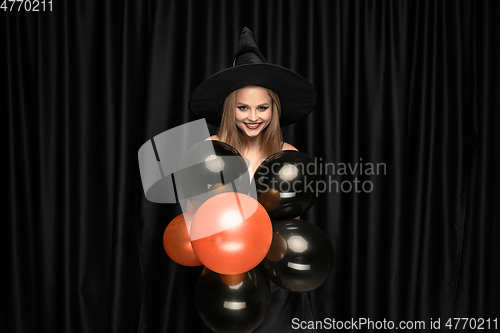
<point>287,146</point>
<point>213,137</point>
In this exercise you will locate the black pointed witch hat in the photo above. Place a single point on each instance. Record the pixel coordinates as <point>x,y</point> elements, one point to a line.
<point>297,94</point>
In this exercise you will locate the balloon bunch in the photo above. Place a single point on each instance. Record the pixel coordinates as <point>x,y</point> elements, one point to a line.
<point>301,255</point>
<point>244,232</point>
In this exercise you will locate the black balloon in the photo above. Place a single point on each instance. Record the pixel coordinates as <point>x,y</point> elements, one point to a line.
<point>286,184</point>
<point>300,257</point>
<point>236,303</point>
<point>212,167</point>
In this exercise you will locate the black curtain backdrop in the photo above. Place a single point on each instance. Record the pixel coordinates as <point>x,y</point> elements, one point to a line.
<point>411,84</point>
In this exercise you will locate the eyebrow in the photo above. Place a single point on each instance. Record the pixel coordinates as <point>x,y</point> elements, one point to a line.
<point>263,104</point>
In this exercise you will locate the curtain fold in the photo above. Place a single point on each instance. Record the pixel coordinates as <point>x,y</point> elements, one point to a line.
<point>409,88</point>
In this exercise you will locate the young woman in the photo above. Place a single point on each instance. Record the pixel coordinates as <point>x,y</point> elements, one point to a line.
<point>251,100</point>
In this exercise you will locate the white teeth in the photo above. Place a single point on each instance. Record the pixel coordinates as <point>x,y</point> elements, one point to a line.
<point>253,125</point>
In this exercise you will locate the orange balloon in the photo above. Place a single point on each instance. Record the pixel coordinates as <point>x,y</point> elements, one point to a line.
<point>278,248</point>
<point>231,233</point>
<point>177,243</point>
<point>232,280</point>
<point>270,199</point>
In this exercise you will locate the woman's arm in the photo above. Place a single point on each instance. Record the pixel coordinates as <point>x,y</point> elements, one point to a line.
<point>213,137</point>
<point>287,146</point>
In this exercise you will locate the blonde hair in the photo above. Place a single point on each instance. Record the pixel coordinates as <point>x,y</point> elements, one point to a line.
<point>271,138</point>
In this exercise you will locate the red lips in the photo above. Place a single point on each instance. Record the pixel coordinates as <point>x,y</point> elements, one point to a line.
<point>252,127</point>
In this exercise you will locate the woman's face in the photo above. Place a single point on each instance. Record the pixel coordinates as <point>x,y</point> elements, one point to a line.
<point>253,110</point>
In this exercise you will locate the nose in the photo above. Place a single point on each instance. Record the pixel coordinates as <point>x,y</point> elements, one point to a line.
<point>252,117</point>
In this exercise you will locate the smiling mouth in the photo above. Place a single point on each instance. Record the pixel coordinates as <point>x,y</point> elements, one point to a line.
<point>252,125</point>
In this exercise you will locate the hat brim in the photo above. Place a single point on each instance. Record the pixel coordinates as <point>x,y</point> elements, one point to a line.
<point>297,95</point>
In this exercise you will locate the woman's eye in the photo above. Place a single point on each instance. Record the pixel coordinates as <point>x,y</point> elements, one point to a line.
<point>263,108</point>
<point>242,108</point>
